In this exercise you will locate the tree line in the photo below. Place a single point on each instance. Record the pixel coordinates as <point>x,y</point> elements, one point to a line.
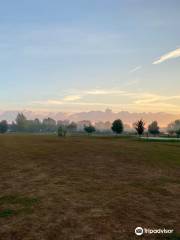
<point>49,125</point>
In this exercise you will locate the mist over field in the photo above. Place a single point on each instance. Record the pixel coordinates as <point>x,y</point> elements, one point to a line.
<point>95,116</point>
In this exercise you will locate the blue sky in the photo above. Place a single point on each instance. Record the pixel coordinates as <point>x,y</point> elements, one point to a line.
<point>90,55</point>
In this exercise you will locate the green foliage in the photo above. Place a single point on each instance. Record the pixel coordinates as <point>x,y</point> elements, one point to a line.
<point>89,129</point>
<point>13,199</point>
<point>117,126</point>
<point>139,126</point>
<point>3,126</point>
<point>153,128</point>
<point>7,213</point>
<point>62,131</point>
<point>23,204</point>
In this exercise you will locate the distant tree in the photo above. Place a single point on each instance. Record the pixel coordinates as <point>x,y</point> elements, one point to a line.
<point>62,131</point>
<point>117,126</point>
<point>153,128</point>
<point>174,128</point>
<point>3,126</point>
<point>139,126</point>
<point>63,122</point>
<point>81,124</point>
<point>49,125</point>
<point>21,122</point>
<point>89,129</point>
<point>33,125</point>
<point>178,132</point>
<point>72,127</point>
<point>36,125</point>
<point>170,128</point>
<point>13,127</point>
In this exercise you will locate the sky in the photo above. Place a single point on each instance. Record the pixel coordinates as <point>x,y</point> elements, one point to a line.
<point>71,56</point>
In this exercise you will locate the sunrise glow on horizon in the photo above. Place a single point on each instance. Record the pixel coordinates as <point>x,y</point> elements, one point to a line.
<point>71,56</point>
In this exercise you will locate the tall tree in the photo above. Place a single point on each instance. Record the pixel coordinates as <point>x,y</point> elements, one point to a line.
<point>21,122</point>
<point>140,127</point>
<point>117,126</point>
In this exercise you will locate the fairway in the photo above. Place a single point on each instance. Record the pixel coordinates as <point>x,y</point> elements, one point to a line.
<point>94,188</point>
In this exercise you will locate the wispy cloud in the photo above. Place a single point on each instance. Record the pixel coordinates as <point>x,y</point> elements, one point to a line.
<point>103,92</point>
<point>133,100</point>
<point>71,98</point>
<point>167,56</point>
<point>135,69</point>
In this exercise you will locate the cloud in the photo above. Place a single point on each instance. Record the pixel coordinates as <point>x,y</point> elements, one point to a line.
<point>115,98</point>
<point>135,69</point>
<point>103,92</point>
<point>48,102</point>
<point>71,98</point>
<point>167,56</point>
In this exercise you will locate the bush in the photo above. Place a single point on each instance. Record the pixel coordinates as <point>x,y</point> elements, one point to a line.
<point>89,129</point>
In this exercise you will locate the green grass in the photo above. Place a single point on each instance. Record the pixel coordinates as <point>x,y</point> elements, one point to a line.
<point>87,187</point>
<point>7,213</point>
<point>22,205</point>
<point>24,201</point>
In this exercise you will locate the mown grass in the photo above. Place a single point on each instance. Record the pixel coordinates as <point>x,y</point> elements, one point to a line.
<point>87,187</point>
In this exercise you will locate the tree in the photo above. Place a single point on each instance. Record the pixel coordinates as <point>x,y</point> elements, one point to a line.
<point>36,125</point>
<point>13,127</point>
<point>139,126</point>
<point>178,132</point>
<point>89,129</point>
<point>33,125</point>
<point>117,126</point>
<point>170,128</point>
<point>3,126</point>
<point>62,130</point>
<point>21,122</point>
<point>49,125</point>
<point>72,127</point>
<point>174,127</point>
<point>153,128</point>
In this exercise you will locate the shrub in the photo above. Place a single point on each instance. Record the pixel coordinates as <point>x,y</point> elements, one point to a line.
<point>89,129</point>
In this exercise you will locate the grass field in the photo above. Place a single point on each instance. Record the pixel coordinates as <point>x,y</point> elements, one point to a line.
<point>94,188</point>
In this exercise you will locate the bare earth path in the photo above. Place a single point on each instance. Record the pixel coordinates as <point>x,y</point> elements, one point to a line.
<point>79,188</point>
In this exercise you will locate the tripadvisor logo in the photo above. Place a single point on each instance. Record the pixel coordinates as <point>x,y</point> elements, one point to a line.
<point>140,231</point>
